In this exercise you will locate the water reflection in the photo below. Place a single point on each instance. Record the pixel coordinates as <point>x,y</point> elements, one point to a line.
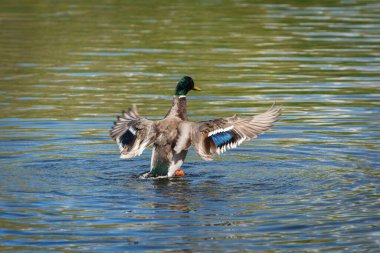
<point>174,194</point>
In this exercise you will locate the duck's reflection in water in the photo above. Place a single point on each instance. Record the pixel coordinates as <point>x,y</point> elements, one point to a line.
<point>174,193</point>
<point>184,195</point>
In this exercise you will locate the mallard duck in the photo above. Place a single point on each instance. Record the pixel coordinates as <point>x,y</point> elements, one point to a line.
<point>172,136</point>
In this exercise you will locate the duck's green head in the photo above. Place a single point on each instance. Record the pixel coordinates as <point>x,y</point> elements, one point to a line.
<point>185,85</point>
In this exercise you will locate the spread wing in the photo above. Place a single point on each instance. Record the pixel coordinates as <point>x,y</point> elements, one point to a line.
<point>132,133</point>
<point>213,137</point>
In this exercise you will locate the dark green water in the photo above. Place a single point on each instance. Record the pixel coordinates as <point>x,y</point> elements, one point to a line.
<point>310,185</point>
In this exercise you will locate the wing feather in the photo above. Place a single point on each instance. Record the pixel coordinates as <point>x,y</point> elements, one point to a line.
<point>214,137</point>
<point>132,133</point>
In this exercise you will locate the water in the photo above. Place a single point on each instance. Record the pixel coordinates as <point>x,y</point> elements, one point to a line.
<point>310,184</point>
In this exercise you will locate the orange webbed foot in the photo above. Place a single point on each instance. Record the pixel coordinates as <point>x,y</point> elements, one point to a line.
<point>179,173</point>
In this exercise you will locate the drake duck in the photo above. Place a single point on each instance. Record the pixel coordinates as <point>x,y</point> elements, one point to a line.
<point>172,136</point>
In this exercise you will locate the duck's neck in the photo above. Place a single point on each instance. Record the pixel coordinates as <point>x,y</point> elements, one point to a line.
<point>178,108</point>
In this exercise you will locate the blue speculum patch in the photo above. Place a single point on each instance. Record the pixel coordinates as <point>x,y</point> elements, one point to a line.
<point>222,138</point>
<point>127,138</point>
